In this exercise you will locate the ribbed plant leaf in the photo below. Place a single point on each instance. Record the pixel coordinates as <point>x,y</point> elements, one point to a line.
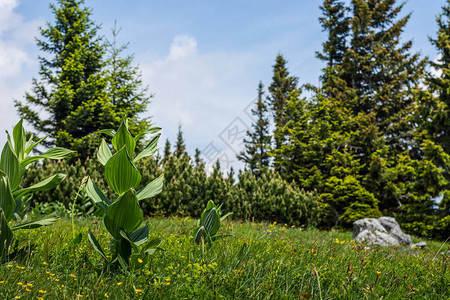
<point>150,149</point>
<point>211,222</point>
<point>6,236</point>
<point>44,185</point>
<point>152,189</point>
<point>152,246</point>
<point>125,236</point>
<point>150,131</point>
<point>199,234</point>
<point>123,214</point>
<point>110,132</point>
<point>124,138</point>
<point>104,153</point>
<point>7,202</point>
<point>140,236</point>
<point>35,224</point>
<point>225,216</point>
<point>97,195</point>
<point>120,173</point>
<point>30,146</point>
<point>20,140</point>
<point>95,244</point>
<point>9,163</point>
<point>124,252</point>
<point>53,153</point>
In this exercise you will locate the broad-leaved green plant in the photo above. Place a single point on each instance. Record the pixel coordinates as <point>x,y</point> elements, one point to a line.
<point>123,217</point>
<point>14,160</point>
<point>209,224</point>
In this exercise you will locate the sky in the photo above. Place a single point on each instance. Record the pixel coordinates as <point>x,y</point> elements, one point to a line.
<point>202,60</point>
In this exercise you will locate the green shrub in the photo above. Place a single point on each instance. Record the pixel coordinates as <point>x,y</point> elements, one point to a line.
<point>188,188</point>
<point>270,198</point>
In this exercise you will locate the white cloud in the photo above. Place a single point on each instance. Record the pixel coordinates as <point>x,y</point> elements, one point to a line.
<point>7,17</point>
<point>182,46</point>
<point>17,64</point>
<point>204,92</point>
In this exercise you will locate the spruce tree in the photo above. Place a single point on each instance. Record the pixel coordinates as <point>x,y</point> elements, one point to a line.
<point>180,147</point>
<point>282,85</point>
<point>435,106</point>
<point>336,23</point>
<point>197,159</point>
<point>125,87</point>
<point>380,67</point>
<point>167,151</point>
<point>258,141</point>
<point>78,83</point>
<point>433,118</point>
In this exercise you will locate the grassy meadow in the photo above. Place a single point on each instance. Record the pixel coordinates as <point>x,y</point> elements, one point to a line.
<point>259,261</point>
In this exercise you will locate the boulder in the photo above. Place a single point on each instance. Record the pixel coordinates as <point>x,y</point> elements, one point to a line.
<point>384,231</point>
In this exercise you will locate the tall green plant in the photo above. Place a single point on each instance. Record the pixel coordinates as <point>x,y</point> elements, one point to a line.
<point>14,160</point>
<point>123,217</point>
<point>209,224</point>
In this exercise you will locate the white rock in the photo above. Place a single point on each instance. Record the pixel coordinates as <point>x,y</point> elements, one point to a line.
<point>384,231</point>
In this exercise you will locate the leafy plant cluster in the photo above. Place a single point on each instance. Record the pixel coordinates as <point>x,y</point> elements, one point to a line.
<point>123,217</point>
<point>14,160</point>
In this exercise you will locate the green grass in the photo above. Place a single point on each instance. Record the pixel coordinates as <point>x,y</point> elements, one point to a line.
<point>260,261</point>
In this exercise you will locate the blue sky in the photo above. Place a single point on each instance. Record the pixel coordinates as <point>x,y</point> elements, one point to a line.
<point>202,60</point>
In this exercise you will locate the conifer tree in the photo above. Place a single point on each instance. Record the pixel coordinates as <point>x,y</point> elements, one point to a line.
<point>78,84</point>
<point>125,87</point>
<point>197,159</point>
<point>70,77</point>
<point>382,70</point>
<point>435,106</point>
<point>258,141</point>
<point>336,23</point>
<point>433,113</point>
<point>280,88</point>
<point>180,147</point>
<point>439,85</point>
<point>167,151</point>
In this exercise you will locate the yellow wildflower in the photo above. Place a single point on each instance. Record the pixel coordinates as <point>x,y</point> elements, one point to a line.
<point>119,283</point>
<point>140,261</point>
<point>138,290</point>
<point>42,292</point>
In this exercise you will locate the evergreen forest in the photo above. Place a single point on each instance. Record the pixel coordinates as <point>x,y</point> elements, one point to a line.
<point>370,140</point>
